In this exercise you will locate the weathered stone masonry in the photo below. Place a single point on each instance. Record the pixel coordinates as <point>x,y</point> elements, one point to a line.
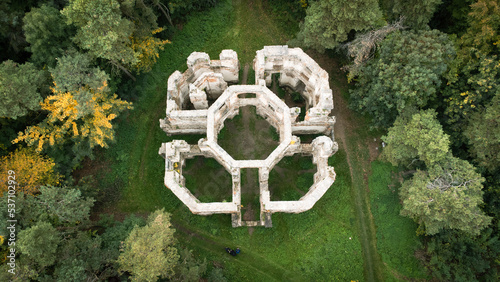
<point>206,80</point>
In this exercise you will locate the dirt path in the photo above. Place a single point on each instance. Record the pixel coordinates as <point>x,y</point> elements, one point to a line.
<point>346,135</point>
<point>366,228</point>
<point>249,144</point>
<point>366,225</point>
<point>247,258</point>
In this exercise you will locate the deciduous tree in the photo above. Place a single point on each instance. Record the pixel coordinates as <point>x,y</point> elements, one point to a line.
<point>21,87</point>
<point>148,253</point>
<point>32,170</point>
<point>483,134</point>
<point>405,75</point>
<point>455,256</point>
<point>103,31</point>
<point>418,137</point>
<point>143,41</point>
<point>46,31</point>
<point>417,13</point>
<point>447,196</point>
<point>74,71</point>
<point>328,23</point>
<point>364,46</point>
<point>472,91</point>
<point>483,35</point>
<point>148,48</point>
<point>474,74</point>
<point>83,116</point>
<point>119,31</point>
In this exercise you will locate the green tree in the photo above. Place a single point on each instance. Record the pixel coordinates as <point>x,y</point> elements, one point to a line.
<point>483,134</point>
<point>474,74</point>
<point>406,74</point>
<point>189,268</point>
<point>12,40</point>
<point>148,252</point>
<point>39,244</point>
<point>420,137</point>
<point>47,33</point>
<point>216,275</point>
<point>117,231</point>
<point>74,71</point>
<point>451,16</point>
<point>142,14</point>
<point>103,31</point>
<point>363,48</point>
<point>447,196</point>
<point>476,85</point>
<point>328,23</point>
<point>143,42</point>
<point>180,9</point>
<point>64,205</point>
<point>455,256</point>
<point>416,13</point>
<point>83,258</point>
<point>21,89</point>
<point>482,37</point>
<point>67,251</point>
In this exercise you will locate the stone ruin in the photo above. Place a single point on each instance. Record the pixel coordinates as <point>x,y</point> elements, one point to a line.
<point>189,112</point>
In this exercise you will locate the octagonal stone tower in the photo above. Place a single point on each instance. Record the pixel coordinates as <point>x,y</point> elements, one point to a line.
<point>188,111</point>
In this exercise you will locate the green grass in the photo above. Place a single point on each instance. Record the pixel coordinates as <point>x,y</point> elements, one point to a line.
<point>355,145</point>
<point>207,180</point>
<point>295,180</point>
<point>321,244</point>
<point>134,158</point>
<point>384,260</point>
<point>236,138</point>
<point>334,241</point>
<point>396,235</point>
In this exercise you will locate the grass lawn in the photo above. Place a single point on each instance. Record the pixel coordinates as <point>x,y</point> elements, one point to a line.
<point>397,241</point>
<point>325,243</point>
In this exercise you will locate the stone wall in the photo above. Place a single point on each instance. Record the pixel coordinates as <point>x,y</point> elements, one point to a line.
<point>203,76</point>
<point>301,73</point>
<point>206,79</point>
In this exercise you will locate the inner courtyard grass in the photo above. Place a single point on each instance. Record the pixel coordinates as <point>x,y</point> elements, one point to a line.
<point>207,180</point>
<point>291,178</point>
<point>248,136</point>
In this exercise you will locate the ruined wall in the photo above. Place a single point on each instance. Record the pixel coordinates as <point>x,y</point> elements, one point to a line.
<point>191,87</point>
<point>301,73</point>
<point>208,80</point>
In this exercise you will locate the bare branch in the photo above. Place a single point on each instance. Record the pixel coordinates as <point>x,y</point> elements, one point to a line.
<point>365,45</point>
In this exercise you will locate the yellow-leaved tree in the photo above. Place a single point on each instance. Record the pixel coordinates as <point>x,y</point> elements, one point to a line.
<point>82,116</point>
<point>31,170</point>
<point>148,49</point>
